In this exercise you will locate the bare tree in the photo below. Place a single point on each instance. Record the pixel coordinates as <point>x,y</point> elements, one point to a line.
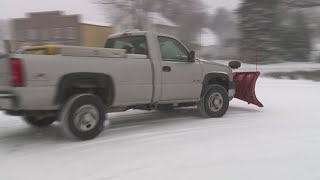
<point>116,9</point>
<point>190,15</point>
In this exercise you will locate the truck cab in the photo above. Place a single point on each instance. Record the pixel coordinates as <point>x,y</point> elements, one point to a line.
<point>178,75</point>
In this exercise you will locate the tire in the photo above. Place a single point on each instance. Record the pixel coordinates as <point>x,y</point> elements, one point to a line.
<point>214,103</point>
<point>82,117</point>
<point>34,121</point>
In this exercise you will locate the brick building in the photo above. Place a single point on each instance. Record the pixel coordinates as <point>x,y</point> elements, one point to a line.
<point>54,27</point>
<point>47,28</point>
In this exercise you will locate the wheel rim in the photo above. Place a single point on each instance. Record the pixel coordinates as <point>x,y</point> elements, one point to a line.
<point>215,102</point>
<point>86,118</point>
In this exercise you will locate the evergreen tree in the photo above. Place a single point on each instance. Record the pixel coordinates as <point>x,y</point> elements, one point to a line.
<point>297,39</point>
<point>260,30</point>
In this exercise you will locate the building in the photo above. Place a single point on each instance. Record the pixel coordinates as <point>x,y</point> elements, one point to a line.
<point>54,27</point>
<point>5,30</point>
<point>152,21</point>
<point>5,34</point>
<point>159,23</point>
<point>213,48</point>
<point>47,28</point>
<point>94,34</point>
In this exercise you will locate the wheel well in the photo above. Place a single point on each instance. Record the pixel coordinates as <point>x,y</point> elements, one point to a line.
<point>77,83</point>
<point>216,78</point>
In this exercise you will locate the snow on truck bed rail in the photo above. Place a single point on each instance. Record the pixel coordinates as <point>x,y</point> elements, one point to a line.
<point>92,52</point>
<point>81,51</point>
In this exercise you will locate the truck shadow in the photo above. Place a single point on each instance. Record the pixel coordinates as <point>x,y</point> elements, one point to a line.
<point>122,124</point>
<point>182,115</point>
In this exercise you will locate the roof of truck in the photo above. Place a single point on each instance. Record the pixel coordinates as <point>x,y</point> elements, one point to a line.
<point>129,33</point>
<point>137,33</point>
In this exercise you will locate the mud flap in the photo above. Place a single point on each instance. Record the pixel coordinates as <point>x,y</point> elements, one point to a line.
<point>245,83</point>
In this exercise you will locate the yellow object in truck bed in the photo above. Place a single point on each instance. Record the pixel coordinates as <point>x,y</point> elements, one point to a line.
<point>42,50</point>
<point>79,51</point>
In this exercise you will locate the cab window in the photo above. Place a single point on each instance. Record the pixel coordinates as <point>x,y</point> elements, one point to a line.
<point>172,50</point>
<point>132,45</point>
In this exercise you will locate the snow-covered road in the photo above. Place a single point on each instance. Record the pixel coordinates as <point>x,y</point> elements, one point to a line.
<point>280,141</point>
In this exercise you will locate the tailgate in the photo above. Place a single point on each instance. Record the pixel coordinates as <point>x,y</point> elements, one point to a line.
<point>6,96</point>
<point>4,71</point>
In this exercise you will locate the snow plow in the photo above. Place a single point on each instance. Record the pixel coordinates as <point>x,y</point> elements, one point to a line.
<point>245,83</point>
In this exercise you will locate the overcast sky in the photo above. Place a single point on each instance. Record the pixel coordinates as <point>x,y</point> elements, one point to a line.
<point>89,11</point>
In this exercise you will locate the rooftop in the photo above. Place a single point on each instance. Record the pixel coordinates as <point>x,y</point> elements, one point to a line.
<point>97,23</point>
<point>207,37</point>
<point>158,18</point>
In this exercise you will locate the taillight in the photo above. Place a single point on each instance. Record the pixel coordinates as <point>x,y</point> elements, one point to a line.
<point>17,74</point>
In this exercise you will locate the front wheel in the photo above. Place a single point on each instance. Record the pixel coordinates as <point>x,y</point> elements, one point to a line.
<point>215,102</point>
<point>83,117</point>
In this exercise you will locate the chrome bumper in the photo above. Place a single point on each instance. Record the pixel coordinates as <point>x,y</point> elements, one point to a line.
<point>7,101</point>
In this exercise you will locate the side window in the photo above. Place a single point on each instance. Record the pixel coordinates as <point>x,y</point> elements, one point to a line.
<point>172,50</point>
<point>132,45</point>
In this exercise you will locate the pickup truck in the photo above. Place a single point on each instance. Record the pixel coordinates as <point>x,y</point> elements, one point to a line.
<point>77,86</point>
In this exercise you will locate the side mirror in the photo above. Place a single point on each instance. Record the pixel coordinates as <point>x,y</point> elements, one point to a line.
<point>192,56</point>
<point>234,64</point>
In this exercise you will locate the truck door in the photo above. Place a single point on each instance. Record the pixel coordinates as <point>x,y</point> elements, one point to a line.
<point>133,76</point>
<point>181,79</point>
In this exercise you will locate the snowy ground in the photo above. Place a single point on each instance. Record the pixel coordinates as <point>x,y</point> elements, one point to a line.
<point>280,141</point>
<point>283,67</point>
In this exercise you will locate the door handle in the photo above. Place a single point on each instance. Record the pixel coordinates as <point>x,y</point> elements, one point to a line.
<point>166,68</point>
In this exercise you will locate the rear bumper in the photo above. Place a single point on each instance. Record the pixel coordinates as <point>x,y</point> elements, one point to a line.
<point>28,98</point>
<point>7,101</point>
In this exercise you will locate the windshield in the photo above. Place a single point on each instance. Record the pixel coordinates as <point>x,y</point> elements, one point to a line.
<point>172,50</point>
<point>132,45</point>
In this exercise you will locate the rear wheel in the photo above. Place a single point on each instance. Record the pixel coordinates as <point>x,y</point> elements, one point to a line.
<point>40,122</point>
<point>215,102</point>
<point>83,117</point>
